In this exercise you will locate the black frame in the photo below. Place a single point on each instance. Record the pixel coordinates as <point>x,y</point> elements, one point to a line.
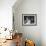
<point>29,15</point>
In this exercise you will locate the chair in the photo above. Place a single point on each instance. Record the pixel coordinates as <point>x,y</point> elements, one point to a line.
<point>18,39</point>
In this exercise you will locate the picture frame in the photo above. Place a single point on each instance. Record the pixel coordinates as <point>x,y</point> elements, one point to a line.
<point>29,19</point>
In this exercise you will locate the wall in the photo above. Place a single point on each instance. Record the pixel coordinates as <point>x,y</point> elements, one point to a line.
<point>28,7</point>
<point>6,13</point>
<point>43,22</point>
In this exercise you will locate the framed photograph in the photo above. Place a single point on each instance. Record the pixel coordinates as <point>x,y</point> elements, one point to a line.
<point>29,19</point>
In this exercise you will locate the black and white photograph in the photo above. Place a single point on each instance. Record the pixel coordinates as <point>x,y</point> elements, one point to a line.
<point>29,19</point>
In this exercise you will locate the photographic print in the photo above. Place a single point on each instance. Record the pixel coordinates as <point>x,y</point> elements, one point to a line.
<point>29,19</point>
